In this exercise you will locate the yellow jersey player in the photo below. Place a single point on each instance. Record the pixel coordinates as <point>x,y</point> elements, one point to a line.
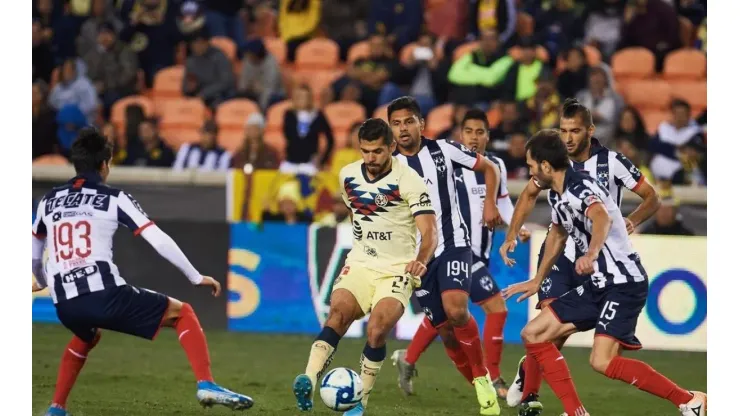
<point>388,202</point>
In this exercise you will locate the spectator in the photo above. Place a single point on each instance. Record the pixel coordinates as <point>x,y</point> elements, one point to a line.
<point>208,72</point>
<point>543,109</point>
<point>626,146</point>
<point>70,120</point>
<point>498,16</point>
<point>345,21</point>
<point>575,76</point>
<point>59,27</point>
<point>693,156</point>
<point>701,36</point>
<point>368,74</point>
<point>521,79</point>
<point>297,22</point>
<point>667,220</point>
<point>348,154</point>
<point>302,126</point>
<point>475,76</point>
<point>44,129</point>
<point>206,156</point>
<point>558,27</point>
<point>224,18</point>
<point>603,24</point>
<point>515,158</point>
<point>604,104</point>
<point>260,80</point>
<point>398,20</point>
<point>111,67</point>
<point>672,135</point>
<point>42,56</point>
<point>694,10</point>
<point>453,132</point>
<point>632,128</point>
<point>118,142</point>
<point>511,123</point>
<point>254,154</point>
<point>338,215</point>
<point>152,33</point>
<point>289,205</point>
<point>75,89</point>
<point>447,19</point>
<point>101,12</point>
<point>652,24</point>
<point>191,19</point>
<point>149,149</point>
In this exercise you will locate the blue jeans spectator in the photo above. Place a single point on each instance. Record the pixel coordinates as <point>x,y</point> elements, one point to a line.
<point>391,91</point>
<point>219,24</point>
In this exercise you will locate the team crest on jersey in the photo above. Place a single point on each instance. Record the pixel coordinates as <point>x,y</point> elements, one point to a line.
<point>439,162</point>
<point>381,200</point>
<point>367,204</point>
<point>546,285</point>
<point>486,283</point>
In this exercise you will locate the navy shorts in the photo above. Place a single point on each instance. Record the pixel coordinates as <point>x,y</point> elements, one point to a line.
<point>449,271</point>
<point>482,286</point>
<point>612,311</point>
<point>561,279</point>
<point>125,309</point>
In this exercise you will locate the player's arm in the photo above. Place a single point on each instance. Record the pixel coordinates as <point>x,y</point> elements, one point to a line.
<point>596,211</point>
<point>524,206</point>
<point>426,223</point>
<point>631,177</point>
<point>38,243</point>
<point>414,192</point>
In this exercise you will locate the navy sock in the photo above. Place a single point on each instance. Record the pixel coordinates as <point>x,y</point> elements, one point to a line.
<point>329,336</point>
<point>374,354</point>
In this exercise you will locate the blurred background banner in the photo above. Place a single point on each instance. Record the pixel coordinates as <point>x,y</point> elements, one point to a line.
<point>675,317</point>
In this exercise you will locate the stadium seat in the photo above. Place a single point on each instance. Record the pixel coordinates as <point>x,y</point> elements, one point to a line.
<point>540,52</point>
<point>277,48</point>
<point>232,114</point>
<point>118,111</point>
<point>652,120</point>
<point>342,115</point>
<point>381,112</point>
<point>317,53</point>
<point>685,64</point>
<point>226,45</point>
<point>57,160</point>
<point>358,51</point>
<point>524,24</point>
<point>184,113</point>
<point>648,94</point>
<point>275,115</point>
<point>231,140</point>
<point>317,79</point>
<point>438,120</point>
<point>277,142</point>
<point>175,137</point>
<point>464,49</point>
<point>167,86</point>
<point>695,93</point>
<point>633,63</point>
<point>494,117</point>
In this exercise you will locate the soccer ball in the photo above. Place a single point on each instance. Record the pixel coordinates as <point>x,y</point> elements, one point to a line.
<point>341,389</point>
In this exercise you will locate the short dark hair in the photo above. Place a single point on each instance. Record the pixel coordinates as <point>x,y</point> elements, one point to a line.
<point>678,103</point>
<point>546,145</point>
<point>90,150</point>
<point>404,103</point>
<point>573,108</point>
<point>476,114</point>
<point>375,128</point>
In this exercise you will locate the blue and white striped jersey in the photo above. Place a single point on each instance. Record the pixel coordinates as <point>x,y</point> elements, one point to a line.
<point>78,221</point>
<point>436,162</point>
<point>618,263</point>
<point>193,156</point>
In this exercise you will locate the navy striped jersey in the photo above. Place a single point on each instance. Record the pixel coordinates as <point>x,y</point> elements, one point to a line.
<point>192,156</point>
<point>471,192</point>
<point>435,163</point>
<point>78,221</point>
<point>618,263</point>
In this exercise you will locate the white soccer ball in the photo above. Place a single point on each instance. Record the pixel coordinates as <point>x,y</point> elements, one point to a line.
<point>341,389</point>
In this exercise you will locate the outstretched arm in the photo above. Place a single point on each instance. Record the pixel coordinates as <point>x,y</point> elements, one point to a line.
<point>167,248</point>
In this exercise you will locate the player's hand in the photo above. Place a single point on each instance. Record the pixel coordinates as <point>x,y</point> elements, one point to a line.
<point>35,287</point>
<point>507,247</point>
<point>491,216</point>
<point>416,268</point>
<point>527,289</point>
<point>415,280</point>
<point>585,265</point>
<point>524,235</point>
<point>215,285</point>
<point>630,225</point>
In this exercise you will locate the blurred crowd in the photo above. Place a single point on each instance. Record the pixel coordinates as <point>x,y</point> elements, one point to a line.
<point>268,84</point>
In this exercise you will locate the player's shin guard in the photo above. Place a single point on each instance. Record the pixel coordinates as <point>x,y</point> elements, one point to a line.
<point>493,342</point>
<point>193,341</point>
<point>73,360</point>
<point>322,352</point>
<point>533,379</point>
<point>457,355</point>
<point>421,341</point>
<point>469,340</point>
<point>645,378</point>
<point>370,363</point>
<point>556,373</point>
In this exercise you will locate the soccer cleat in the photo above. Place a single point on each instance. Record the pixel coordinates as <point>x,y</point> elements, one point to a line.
<point>406,371</point>
<point>210,393</point>
<point>501,388</point>
<point>303,390</point>
<point>358,410</point>
<point>577,414</point>
<point>531,406</point>
<point>696,407</point>
<point>56,411</point>
<point>486,396</point>
<point>516,391</point>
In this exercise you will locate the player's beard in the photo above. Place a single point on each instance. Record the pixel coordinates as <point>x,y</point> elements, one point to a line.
<point>580,148</point>
<point>376,169</point>
<point>410,142</point>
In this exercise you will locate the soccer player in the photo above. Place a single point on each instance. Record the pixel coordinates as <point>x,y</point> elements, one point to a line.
<point>388,202</point>
<point>470,188</point>
<point>615,173</point>
<point>446,285</point>
<point>609,301</point>
<point>76,221</point>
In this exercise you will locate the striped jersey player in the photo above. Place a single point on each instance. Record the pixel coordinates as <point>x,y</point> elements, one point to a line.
<point>75,223</point>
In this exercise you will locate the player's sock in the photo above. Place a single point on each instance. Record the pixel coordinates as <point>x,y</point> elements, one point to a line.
<point>193,341</point>
<point>322,351</point>
<point>533,378</point>
<point>457,355</point>
<point>469,340</point>
<point>421,341</point>
<point>493,342</point>
<point>73,359</point>
<point>645,378</point>
<point>370,363</point>
<point>556,373</point>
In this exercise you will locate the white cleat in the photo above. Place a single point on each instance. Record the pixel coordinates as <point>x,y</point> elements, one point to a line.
<point>516,390</point>
<point>696,407</point>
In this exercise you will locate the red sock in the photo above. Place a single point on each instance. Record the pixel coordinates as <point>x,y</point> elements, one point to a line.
<point>461,362</point>
<point>469,340</point>
<point>645,378</point>
<point>556,373</point>
<point>193,341</point>
<point>422,339</point>
<point>532,377</point>
<point>73,359</point>
<point>493,342</point>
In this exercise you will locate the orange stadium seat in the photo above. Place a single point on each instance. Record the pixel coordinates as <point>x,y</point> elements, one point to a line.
<point>358,51</point>
<point>232,114</point>
<point>685,64</point>
<point>183,113</point>
<point>524,24</point>
<point>652,120</point>
<point>342,115</point>
<point>540,52</point>
<point>277,48</point>
<point>317,53</point>
<point>494,117</point>
<point>175,137</point>
<point>277,142</point>
<point>231,140</point>
<point>464,49</point>
<point>57,160</point>
<point>648,94</point>
<point>318,80</point>
<point>635,63</point>
<point>118,111</point>
<point>275,115</point>
<point>167,85</point>
<point>438,120</point>
<point>226,45</point>
<point>695,93</point>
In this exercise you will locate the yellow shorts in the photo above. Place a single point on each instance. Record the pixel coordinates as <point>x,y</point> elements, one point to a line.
<point>369,286</point>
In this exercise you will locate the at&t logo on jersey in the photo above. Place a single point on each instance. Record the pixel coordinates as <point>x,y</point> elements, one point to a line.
<point>357,230</point>
<point>379,235</point>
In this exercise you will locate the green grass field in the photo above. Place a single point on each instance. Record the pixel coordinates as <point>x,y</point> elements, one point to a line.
<point>125,376</point>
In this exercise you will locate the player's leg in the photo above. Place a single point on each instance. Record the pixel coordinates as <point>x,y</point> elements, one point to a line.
<point>423,338</point>
<point>454,351</point>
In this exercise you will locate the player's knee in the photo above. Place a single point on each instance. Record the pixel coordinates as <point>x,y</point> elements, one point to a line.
<point>531,334</point>
<point>376,334</point>
<point>495,305</point>
<point>457,315</point>
<point>600,362</point>
<point>339,317</point>
<point>447,334</point>
<point>175,309</point>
